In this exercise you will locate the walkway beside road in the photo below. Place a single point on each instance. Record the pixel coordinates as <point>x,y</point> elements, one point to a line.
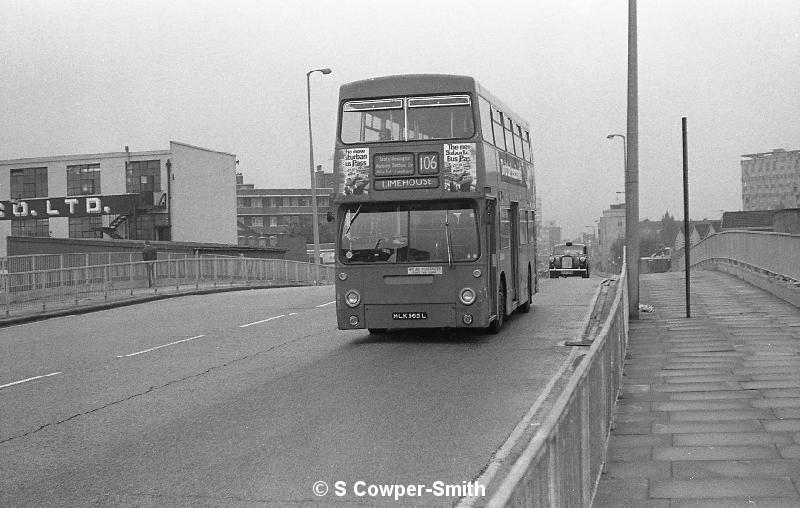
<point>710,408</point>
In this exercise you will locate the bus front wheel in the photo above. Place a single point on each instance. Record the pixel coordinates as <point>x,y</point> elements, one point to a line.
<point>501,309</point>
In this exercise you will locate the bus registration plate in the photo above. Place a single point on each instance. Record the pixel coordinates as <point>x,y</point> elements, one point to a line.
<point>424,270</point>
<point>405,316</point>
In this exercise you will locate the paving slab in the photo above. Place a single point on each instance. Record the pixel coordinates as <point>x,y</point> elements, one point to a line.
<point>743,502</point>
<point>736,468</point>
<point>731,439</point>
<point>701,427</point>
<point>723,487</point>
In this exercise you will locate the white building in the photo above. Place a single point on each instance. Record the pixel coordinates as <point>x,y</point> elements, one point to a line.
<point>610,228</point>
<point>771,180</point>
<point>185,193</point>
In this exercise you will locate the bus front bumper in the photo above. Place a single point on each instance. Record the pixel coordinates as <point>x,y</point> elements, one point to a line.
<point>411,316</point>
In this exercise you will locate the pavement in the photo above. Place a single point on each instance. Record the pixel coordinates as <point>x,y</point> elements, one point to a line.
<point>709,412</point>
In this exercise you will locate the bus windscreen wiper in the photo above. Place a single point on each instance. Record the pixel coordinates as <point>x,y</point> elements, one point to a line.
<point>353,218</point>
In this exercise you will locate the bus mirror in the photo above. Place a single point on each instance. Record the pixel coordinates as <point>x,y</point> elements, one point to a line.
<point>330,217</point>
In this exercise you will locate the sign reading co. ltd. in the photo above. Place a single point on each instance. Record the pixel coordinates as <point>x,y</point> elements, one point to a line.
<point>77,206</point>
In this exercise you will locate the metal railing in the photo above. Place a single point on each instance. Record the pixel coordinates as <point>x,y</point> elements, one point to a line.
<point>772,254</point>
<point>562,463</point>
<point>43,288</point>
<point>35,262</point>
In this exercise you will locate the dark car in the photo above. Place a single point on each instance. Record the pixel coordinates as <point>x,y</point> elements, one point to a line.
<point>569,259</point>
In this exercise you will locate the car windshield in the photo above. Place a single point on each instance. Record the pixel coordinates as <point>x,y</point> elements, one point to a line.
<point>409,232</point>
<point>569,250</point>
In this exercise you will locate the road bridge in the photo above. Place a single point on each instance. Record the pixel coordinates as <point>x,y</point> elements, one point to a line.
<point>252,397</point>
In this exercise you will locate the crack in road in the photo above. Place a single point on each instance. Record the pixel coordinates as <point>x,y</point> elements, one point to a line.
<point>151,389</point>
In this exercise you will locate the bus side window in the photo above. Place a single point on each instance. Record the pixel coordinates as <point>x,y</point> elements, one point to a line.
<point>505,229</point>
<point>486,120</point>
<point>499,131</point>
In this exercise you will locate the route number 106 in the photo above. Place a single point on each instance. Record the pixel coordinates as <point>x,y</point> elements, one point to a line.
<point>428,163</point>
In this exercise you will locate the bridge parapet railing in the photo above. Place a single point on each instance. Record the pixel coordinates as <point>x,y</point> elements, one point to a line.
<point>774,254</point>
<point>562,463</point>
<point>45,288</point>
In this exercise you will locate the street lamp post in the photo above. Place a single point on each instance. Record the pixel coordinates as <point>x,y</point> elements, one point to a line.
<point>314,218</point>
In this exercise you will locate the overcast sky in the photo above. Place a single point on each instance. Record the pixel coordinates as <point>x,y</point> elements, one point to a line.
<point>95,76</point>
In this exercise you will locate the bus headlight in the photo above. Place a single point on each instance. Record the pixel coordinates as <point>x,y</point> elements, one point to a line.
<point>352,298</point>
<point>353,320</point>
<point>467,319</point>
<point>467,296</point>
<point>583,259</point>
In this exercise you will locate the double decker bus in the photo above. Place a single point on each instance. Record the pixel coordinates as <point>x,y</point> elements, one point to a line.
<point>435,206</point>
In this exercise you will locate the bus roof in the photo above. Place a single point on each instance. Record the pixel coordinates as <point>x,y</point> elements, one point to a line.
<point>423,84</point>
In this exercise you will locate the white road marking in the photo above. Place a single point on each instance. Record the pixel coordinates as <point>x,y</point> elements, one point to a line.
<point>326,304</point>
<point>34,378</point>
<point>262,321</point>
<point>159,347</point>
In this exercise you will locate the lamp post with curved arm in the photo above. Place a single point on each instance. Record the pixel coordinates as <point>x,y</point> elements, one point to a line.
<point>624,149</point>
<point>314,218</point>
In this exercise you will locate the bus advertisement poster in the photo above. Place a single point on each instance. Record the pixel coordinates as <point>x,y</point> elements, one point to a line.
<point>354,171</point>
<point>460,167</point>
<point>512,170</point>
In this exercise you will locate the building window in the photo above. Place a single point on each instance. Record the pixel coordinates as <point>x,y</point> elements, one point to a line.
<point>83,179</point>
<point>273,221</point>
<point>30,227</point>
<point>86,227</point>
<point>143,176</point>
<point>257,221</point>
<point>29,183</point>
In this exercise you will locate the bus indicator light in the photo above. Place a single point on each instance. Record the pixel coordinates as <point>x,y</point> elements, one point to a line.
<point>353,320</point>
<point>467,319</point>
<point>476,273</point>
<point>342,276</point>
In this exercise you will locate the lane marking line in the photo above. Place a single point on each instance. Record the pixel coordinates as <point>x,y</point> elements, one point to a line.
<point>262,321</point>
<point>159,347</point>
<point>326,304</point>
<point>34,378</point>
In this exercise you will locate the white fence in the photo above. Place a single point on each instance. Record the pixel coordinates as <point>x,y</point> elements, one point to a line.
<point>772,254</point>
<point>43,287</point>
<point>561,465</point>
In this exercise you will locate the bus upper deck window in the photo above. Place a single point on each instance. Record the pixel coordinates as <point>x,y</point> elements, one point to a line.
<point>373,120</point>
<point>442,117</point>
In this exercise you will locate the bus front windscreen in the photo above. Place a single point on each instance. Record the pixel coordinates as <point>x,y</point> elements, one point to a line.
<point>409,232</point>
<point>407,119</point>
